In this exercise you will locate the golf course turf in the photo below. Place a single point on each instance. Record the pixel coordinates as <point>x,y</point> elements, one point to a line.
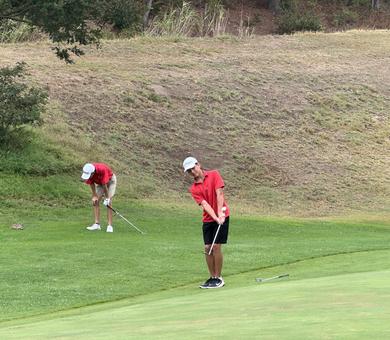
<point>63,281</point>
<point>352,305</point>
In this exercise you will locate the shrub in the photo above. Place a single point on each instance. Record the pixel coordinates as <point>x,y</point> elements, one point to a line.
<point>290,22</point>
<point>345,17</point>
<point>20,105</point>
<point>124,14</point>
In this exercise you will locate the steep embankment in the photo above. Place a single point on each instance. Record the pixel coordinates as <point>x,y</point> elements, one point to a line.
<point>295,123</point>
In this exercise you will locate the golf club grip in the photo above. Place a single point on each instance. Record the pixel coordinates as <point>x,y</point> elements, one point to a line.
<point>109,206</point>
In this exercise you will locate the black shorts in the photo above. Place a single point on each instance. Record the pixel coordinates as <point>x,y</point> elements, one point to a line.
<point>210,228</point>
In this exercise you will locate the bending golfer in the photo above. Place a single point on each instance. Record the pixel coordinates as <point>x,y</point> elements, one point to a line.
<point>103,183</point>
<point>207,191</point>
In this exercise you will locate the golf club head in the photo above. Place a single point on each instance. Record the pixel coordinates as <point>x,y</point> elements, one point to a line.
<point>260,279</point>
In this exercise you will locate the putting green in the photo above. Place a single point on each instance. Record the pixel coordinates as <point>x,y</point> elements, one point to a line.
<point>348,306</point>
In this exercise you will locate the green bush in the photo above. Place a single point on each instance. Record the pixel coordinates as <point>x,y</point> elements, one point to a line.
<point>288,6</point>
<point>290,22</point>
<point>124,15</point>
<point>20,104</point>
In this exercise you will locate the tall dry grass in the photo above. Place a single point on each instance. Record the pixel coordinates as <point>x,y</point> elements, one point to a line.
<point>16,32</point>
<point>181,21</point>
<point>187,21</point>
<point>213,20</point>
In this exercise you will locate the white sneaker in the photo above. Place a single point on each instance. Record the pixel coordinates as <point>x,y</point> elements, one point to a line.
<point>110,229</point>
<point>94,226</point>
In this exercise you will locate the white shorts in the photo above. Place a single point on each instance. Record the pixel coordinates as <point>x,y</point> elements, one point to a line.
<point>111,185</point>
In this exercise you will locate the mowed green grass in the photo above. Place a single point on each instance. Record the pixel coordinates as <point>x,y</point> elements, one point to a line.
<point>347,305</point>
<point>146,284</point>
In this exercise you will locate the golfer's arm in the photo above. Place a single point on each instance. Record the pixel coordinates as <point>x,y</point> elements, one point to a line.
<point>220,200</point>
<point>207,207</point>
<point>105,188</point>
<point>93,189</point>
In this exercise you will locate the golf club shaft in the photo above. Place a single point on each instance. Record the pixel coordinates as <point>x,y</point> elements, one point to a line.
<point>272,278</point>
<point>216,233</point>
<point>215,237</point>
<point>124,218</point>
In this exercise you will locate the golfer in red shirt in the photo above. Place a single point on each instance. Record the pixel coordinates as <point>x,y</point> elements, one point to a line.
<point>102,181</point>
<point>207,191</point>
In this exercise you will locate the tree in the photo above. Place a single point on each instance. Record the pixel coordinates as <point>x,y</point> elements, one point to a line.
<point>69,23</point>
<point>20,104</point>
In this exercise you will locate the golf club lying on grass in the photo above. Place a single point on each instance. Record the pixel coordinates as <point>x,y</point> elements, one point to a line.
<point>216,234</point>
<point>259,279</point>
<point>125,219</point>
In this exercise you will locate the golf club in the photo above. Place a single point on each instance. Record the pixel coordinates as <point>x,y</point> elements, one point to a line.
<point>216,234</point>
<point>125,219</point>
<point>259,279</point>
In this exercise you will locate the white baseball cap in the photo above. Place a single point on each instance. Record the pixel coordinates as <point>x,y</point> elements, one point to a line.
<point>88,170</point>
<point>189,163</point>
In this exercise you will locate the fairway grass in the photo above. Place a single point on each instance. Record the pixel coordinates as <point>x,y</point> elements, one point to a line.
<point>55,264</point>
<point>344,303</point>
<point>61,281</point>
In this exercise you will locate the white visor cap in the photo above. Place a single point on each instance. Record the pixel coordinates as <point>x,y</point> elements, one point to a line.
<point>189,163</point>
<point>88,170</point>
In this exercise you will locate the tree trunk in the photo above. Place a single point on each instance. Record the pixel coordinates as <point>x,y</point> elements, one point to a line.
<point>274,6</point>
<point>375,4</point>
<point>148,5</point>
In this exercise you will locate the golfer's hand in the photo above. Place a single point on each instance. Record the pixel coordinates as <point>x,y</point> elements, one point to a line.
<point>221,219</point>
<point>106,202</point>
<point>95,200</point>
<point>222,216</point>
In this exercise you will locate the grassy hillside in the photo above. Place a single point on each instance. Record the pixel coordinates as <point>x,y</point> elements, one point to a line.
<point>296,124</point>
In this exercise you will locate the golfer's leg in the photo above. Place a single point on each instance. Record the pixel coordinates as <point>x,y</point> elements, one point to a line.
<point>96,212</point>
<point>209,260</point>
<point>217,259</point>
<point>111,193</point>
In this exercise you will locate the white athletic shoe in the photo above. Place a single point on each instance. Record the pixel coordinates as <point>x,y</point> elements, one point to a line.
<point>110,229</point>
<point>94,226</point>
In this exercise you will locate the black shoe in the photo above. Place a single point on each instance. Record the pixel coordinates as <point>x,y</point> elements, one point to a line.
<point>207,283</point>
<point>216,283</point>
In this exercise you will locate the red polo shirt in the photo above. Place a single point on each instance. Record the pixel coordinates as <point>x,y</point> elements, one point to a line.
<point>207,191</point>
<point>102,174</point>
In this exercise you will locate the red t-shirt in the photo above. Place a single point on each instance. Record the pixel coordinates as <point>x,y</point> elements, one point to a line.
<point>102,174</point>
<point>207,191</point>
